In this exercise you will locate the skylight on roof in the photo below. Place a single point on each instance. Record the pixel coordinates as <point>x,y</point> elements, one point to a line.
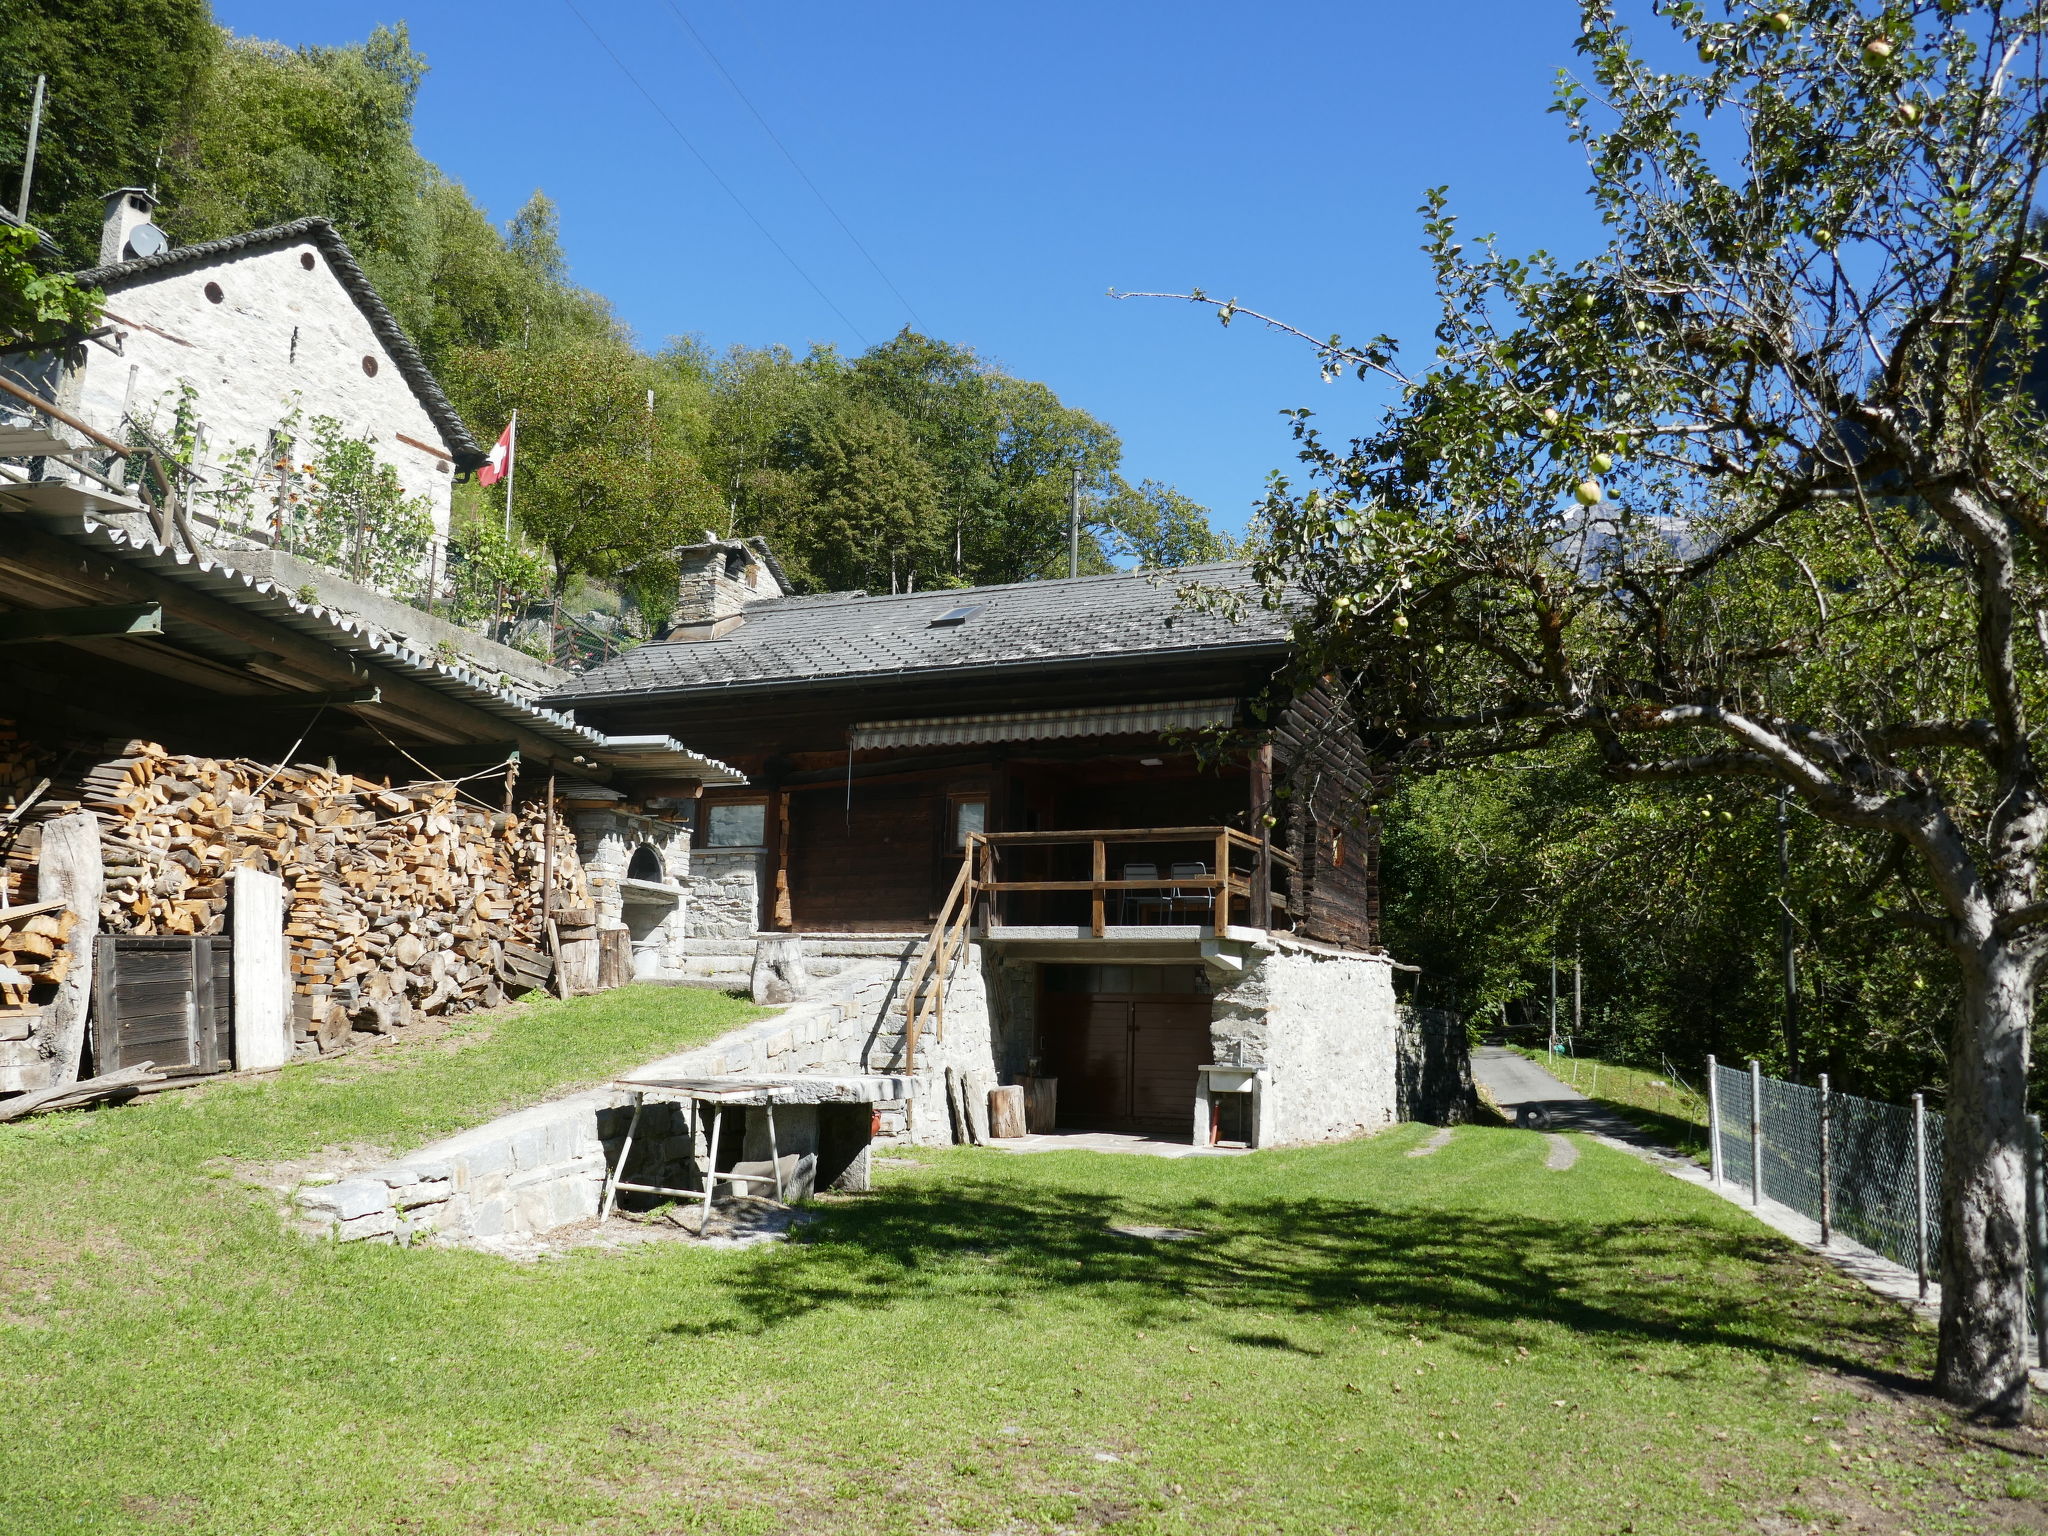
<point>958,615</point>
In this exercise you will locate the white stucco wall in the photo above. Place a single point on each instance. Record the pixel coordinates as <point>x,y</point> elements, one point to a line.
<point>1321,1026</point>
<point>279,329</point>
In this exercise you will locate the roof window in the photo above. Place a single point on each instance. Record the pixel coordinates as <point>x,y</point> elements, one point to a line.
<point>958,615</point>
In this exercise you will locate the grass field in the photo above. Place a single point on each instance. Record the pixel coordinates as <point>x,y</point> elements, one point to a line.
<point>1359,1340</point>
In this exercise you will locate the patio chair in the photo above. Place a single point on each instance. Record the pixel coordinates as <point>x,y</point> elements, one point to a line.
<point>1193,902</point>
<point>1136,901</point>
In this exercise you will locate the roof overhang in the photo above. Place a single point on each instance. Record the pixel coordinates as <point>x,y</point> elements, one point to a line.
<point>1044,724</point>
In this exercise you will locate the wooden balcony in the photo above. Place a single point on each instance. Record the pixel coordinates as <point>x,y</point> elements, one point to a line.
<point>1212,877</point>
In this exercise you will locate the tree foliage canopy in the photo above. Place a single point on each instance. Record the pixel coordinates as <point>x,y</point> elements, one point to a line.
<point>1754,494</point>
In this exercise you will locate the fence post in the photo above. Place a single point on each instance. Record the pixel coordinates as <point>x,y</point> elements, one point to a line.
<point>1827,1164</point>
<point>1719,1174</point>
<point>1756,1132</point>
<point>1920,1190</point>
<point>2037,1230</point>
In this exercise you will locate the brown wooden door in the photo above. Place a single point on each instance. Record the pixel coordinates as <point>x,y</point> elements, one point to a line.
<point>164,1000</point>
<point>1125,1062</point>
<point>869,873</point>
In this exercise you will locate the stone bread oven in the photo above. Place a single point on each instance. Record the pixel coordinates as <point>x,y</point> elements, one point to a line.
<point>638,867</point>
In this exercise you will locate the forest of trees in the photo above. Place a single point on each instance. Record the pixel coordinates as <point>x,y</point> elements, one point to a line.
<point>917,462</point>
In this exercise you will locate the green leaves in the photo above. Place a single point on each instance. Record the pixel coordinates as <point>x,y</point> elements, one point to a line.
<point>37,305</point>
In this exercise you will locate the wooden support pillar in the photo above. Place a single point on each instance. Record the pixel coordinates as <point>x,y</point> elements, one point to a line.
<point>1262,828</point>
<point>262,978</point>
<point>1101,868</point>
<point>68,869</point>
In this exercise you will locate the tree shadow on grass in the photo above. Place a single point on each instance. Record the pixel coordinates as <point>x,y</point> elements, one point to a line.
<point>1477,1281</point>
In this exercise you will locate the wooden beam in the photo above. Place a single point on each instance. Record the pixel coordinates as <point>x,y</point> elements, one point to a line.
<point>29,626</point>
<point>412,705</point>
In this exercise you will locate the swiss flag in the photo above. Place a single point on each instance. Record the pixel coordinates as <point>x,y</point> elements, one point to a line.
<point>499,464</point>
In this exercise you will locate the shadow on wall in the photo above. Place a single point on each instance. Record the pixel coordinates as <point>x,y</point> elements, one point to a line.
<point>1481,1280</point>
<point>1433,1076</point>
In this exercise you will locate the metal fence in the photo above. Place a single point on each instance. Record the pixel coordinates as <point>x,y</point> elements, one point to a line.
<point>1870,1171</point>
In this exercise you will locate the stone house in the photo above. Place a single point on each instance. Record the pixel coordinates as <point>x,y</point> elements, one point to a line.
<point>1080,836</point>
<point>233,352</point>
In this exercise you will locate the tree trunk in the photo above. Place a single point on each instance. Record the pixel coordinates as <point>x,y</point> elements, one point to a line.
<point>1982,1366</point>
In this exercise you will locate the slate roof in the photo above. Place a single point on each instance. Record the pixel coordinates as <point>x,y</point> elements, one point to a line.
<point>851,636</point>
<point>461,445</point>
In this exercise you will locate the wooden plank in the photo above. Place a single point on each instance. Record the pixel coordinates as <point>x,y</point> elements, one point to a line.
<point>202,1004</point>
<point>69,870</point>
<point>261,1031</point>
<point>98,621</point>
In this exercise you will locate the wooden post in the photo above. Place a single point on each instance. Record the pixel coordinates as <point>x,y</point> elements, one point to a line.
<point>69,870</point>
<point>1101,874</point>
<point>1223,877</point>
<point>1262,810</point>
<point>781,914</point>
<point>261,977</point>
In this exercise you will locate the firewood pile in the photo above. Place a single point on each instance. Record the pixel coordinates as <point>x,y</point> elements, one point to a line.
<point>33,949</point>
<point>403,901</point>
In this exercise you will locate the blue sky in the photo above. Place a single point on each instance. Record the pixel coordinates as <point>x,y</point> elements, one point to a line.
<point>1005,165</point>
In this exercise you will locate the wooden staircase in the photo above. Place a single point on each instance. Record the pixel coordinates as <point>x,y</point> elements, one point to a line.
<point>924,988</point>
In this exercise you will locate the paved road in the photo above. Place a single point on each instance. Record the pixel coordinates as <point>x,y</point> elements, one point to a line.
<point>1515,1081</point>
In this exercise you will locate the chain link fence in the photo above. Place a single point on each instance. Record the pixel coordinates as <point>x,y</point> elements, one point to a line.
<point>1867,1170</point>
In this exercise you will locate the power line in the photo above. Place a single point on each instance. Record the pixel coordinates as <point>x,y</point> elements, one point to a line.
<point>825,202</point>
<point>724,186</point>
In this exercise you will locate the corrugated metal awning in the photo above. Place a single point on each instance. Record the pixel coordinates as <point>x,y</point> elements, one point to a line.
<point>1044,724</point>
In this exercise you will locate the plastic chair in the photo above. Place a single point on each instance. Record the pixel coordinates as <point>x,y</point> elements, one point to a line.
<point>1194,901</point>
<point>1140,899</point>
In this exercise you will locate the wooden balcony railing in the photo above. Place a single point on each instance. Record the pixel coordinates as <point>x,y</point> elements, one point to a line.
<point>1236,882</point>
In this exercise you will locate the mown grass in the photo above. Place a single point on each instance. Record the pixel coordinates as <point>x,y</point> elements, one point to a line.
<point>1359,1341</point>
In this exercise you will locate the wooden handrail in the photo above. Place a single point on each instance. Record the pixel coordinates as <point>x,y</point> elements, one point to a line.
<point>925,986</point>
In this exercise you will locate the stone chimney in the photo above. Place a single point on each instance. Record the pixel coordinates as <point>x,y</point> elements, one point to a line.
<point>718,579</point>
<point>126,207</point>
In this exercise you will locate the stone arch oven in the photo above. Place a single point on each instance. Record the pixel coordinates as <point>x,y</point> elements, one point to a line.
<point>637,865</point>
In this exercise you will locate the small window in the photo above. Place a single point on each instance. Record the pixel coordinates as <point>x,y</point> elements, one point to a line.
<point>213,293</point>
<point>744,825</point>
<point>958,615</point>
<point>370,366</point>
<point>969,816</point>
<point>306,260</point>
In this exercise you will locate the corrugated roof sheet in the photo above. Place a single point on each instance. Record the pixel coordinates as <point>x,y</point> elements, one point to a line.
<point>809,639</point>
<point>342,633</point>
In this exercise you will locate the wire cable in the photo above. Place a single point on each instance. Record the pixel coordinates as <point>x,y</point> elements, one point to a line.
<point>726,75</point>
<point>710,171</point>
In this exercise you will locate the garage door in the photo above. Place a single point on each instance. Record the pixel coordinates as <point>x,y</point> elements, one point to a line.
<point>1125,1062</point>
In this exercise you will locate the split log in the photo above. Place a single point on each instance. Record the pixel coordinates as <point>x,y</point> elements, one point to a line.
<point>123,1084</point>
<point>68,869</point>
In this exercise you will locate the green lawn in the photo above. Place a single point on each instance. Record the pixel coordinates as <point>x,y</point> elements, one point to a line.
<point>1360,1341</point>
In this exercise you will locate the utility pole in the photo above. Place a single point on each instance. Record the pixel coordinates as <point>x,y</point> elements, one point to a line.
<point>1785,955</point>
<point>1553,1005</point>
<point>1578,998</point>
<point>1074,526</point>
<point>28,163</point>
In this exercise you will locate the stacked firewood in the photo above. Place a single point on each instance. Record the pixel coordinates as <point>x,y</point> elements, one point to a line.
<point>403,901</point>
<point>24,784</point>
<point>33,949</point>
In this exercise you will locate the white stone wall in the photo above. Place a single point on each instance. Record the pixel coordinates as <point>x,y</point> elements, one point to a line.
<point>725,893</point>
<point>605,844</point>
<point>279,330</point>
<point>1321,1026</point>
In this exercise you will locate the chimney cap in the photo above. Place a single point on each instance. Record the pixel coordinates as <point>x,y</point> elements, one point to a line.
<point>142,192</point>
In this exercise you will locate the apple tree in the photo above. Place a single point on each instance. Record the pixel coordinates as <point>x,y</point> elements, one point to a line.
<point>1758,492</point>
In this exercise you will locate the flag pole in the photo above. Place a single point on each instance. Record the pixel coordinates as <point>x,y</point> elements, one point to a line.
<point>511,472</point>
